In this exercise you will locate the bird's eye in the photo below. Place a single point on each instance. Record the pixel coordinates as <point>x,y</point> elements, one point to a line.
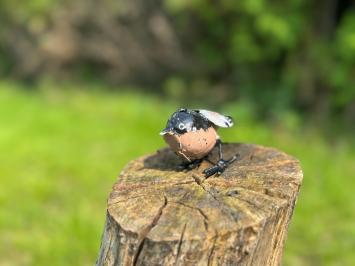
<point>181,126</point>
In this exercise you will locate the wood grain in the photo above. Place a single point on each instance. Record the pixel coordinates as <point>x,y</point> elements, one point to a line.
<point>157,215</point>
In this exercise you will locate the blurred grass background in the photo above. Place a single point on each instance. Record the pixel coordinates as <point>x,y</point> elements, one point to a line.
<point>86,86</point>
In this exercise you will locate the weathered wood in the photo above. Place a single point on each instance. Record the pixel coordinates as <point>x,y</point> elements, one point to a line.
<point>159,216</point>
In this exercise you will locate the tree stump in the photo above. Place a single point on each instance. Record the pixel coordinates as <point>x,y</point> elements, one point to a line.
<point>157,215</point>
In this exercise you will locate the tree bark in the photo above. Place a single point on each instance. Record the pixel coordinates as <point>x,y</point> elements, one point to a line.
<point>157,215</point>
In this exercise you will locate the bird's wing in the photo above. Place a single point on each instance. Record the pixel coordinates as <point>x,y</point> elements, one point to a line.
<point>216,118</point>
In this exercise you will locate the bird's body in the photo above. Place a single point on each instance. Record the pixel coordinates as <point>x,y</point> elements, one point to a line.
<point>192,145</point>
<point>192,135</point>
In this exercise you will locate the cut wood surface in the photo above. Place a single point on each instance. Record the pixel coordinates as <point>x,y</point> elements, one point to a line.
<point>158,215</point>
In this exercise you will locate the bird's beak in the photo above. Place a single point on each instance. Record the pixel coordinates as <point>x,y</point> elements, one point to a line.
<point>165,131</point>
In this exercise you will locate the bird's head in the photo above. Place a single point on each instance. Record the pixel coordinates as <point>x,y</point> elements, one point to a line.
<point>180,122</point>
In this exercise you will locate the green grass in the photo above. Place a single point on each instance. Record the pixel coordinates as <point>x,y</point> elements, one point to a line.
<point>61,150</point>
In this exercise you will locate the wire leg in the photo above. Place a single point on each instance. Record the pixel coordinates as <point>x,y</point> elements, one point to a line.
<point>219,143</point>
<point>222,164</point>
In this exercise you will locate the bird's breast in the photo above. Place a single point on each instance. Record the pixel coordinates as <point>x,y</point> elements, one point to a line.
<point>192,145</point>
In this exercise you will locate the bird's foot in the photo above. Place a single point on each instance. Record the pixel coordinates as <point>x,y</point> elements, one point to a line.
<point>220,166</point>
<point>189,165</point>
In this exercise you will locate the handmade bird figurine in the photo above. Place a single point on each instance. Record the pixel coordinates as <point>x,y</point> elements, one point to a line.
<point>192,135</point>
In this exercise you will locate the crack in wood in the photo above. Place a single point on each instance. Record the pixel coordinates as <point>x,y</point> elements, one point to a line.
<point>205,218</point>
<point>262,191</point>
<point>139,251</point>
<point>146,231</point>
<point>198,182</point>
<point>180,243</point>
<point>183,183</point>
<point>234,215</point>
<point>126,199</point>
<point>212,249</point>
<point>131,187</point>
<point>252,204</point>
